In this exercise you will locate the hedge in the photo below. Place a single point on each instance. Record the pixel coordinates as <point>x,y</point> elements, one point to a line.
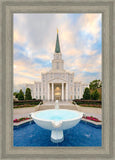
<point>32,102</point>
<point>95,102</point>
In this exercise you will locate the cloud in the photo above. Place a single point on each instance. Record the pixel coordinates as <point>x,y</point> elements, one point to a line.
<point>18,38</point>
<point>90,23</point>
<point>85,64</point>
<point>34,45</point>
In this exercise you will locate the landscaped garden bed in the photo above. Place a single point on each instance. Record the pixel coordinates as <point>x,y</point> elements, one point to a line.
<point>24,106</point>
<point>90,105</point>
<point>84,117</point>
<point>91,118</point>
<point>21,119</point>
<point>27,103</point>
<point>87,103</point>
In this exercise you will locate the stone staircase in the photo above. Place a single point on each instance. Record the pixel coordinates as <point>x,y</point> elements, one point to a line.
<point>62,105</point>
<point>60,102</point>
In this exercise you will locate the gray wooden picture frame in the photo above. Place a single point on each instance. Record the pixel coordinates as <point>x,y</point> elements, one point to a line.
<point>7,9</point>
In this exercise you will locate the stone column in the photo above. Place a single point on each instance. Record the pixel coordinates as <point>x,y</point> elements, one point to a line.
<point>42,91</point>
<point>62,91</point>
<point>52,91</point>
<point>48,91</point>
<point>66,91</point>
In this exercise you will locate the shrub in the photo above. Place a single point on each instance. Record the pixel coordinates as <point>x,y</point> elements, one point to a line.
<point>29,102</point>
<point>86,94</point>
<point>28,94</point>
<point>95,95</point>
<point>21,95</point>
<point>33,99</point>
<point>88,102</point>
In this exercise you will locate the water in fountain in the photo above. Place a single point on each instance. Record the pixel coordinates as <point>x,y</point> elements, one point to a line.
<point>57,120</point>
<point>56,104</point>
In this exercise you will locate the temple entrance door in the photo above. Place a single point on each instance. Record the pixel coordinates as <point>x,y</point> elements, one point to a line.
<point>58,98</point>
<point>57,92</point>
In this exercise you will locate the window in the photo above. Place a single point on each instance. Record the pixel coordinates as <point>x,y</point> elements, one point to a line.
<point>71,89</point>
<point>78,89</point>
<point>74,97</point>
<point>57,65</point>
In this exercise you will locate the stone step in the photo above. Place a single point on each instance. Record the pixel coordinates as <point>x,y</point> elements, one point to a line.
<point>60,102</point>
<point>71,107</point>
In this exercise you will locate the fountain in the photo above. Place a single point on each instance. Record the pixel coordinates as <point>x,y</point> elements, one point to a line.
<point>57,120</point>
<point>56,104</point>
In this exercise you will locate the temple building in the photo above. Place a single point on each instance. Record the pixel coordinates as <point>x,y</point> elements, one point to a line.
<point>57,84</point>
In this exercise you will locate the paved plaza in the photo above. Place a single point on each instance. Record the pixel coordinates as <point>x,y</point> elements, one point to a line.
<point>89,111</point>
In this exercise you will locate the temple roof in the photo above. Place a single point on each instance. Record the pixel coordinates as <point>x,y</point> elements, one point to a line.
<point>57,48</point>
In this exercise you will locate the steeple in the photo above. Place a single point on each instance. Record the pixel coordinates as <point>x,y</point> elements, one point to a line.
<point>57,62</point>
<point>57,48</point>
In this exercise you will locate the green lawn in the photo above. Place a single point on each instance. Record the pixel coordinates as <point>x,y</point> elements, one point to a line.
<point>23,106</point>
<point>90,106</point>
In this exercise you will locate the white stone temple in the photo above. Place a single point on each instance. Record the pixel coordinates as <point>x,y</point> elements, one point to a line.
<point>57,84</point>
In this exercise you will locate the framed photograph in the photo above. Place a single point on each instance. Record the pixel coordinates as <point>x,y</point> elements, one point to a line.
<point>57,79</point>
<point>72,74</point>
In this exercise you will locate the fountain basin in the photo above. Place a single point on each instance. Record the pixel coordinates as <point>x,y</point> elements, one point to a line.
<point>57,120</point>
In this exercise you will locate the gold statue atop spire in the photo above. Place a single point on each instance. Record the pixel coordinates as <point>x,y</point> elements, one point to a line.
<point>57,30</point>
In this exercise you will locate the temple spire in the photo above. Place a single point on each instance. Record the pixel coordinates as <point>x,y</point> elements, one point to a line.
<point>57,48</point>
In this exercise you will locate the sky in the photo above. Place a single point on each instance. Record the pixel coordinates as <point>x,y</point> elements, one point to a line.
<point>34,39</point>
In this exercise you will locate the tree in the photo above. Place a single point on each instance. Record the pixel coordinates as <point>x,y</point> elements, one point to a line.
<point>95,95</point>
<point>28,94</point>
<point>95,84</point>
<point>16,94</point>
<point>86,94</point>
<point>21,95</point>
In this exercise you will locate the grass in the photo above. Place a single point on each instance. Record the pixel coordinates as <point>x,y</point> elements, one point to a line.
<point>23,106</point>
<point>90,106</point>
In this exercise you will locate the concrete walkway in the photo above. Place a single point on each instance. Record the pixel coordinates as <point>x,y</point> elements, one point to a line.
<point>24,112</point>
<point>90,111</point>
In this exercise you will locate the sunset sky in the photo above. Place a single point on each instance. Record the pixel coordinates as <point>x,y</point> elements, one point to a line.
<point>34,45</point>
